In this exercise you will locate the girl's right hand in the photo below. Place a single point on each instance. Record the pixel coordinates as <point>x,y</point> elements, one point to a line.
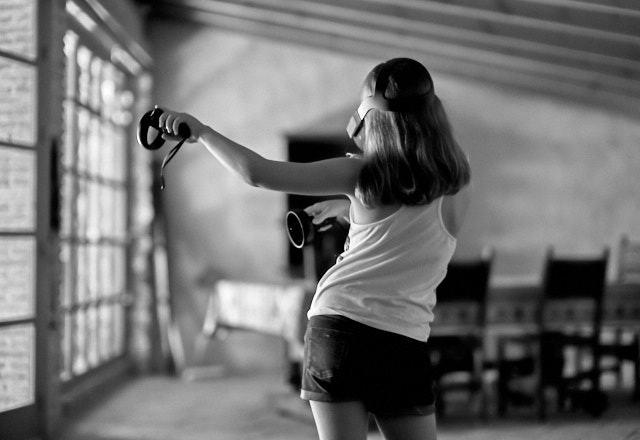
<point>321,211</point>
<point>170,121</point>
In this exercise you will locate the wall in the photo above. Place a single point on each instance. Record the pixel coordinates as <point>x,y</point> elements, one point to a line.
<point>545,170</point>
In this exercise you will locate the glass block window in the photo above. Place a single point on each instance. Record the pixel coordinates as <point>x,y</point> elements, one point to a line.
<point>94,207</point>
<point>18,180</point>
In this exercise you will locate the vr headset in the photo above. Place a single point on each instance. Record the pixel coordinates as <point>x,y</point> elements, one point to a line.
<point>378,101</point>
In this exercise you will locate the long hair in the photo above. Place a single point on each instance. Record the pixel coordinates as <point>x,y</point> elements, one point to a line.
<point>410,158</point>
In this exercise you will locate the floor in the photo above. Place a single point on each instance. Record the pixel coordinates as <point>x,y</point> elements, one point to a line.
<point>261,406</point>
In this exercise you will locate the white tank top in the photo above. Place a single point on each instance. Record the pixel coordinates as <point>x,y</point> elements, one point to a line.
<point>388,275</point>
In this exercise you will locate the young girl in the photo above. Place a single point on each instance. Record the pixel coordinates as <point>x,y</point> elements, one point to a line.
<point>366,349</point>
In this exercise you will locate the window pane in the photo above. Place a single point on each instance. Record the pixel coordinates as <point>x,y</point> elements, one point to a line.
<point>79,342</point>
<point>105,332</point>
<point>92,336</point>
<point>84,75</point>
<point>119,270</point>
<point>70,51</point>
<point>17,189</point>
<point>67,346</point>
<point>96,78</point>
<point>70,145</point>
<point>83,140</point>
<point>94,147</point>
<point>67,280</point>
<point>68,199</point>
<point>17,366</point>
<point>18,36</point>
<point>17,275</point>
<point>82,282</point>
<point>18,90</point>
<point>118,327</point>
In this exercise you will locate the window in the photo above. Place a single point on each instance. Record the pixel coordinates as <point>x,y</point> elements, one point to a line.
<point>68,175</point>
<point>18,94</point>
<point>94,208</point>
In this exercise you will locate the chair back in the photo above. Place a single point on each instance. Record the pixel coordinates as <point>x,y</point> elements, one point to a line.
<point>573,290</point>
<point>463,291</point>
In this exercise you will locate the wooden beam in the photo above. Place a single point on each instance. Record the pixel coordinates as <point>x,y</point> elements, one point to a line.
<point>433,13</point>
<point>567,12</point>
<point>511,26</point>
<point>477,63</point>
<point>341,12</point>
<point>484,56</point>
<point>633,5</point>
<point>309,14</point>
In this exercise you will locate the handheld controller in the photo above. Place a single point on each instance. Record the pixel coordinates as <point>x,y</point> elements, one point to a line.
<point>301,229</point>
<point>150,123</point>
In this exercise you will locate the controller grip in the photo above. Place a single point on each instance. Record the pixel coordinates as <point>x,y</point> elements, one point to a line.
<point>184,131</point>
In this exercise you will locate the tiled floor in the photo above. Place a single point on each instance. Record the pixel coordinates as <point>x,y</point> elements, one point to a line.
<point>261,406</point>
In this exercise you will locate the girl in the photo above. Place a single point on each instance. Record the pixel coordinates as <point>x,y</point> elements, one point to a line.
<point>366,349</point>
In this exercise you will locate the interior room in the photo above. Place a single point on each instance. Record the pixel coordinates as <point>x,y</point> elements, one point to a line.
<point>146,292</point>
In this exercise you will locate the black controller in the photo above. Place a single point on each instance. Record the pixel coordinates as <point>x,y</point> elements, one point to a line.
<point>151,120</point>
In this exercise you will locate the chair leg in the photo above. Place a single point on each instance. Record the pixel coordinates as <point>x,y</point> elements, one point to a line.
<point>502,396</point>
<point>561,391</point>
<point>440,404</point>
<point>484,400</point>
<point>636,380</point>
<point>635,356</point>
<point>541,402</point>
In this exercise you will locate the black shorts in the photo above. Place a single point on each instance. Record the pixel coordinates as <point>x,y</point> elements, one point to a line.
<point>348,361</point>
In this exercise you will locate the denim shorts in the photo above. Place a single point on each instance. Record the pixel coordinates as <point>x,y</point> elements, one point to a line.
<point>347,361</point>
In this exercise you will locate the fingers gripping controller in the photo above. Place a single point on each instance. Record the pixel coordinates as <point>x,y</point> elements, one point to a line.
<point>151,120</point>
<point>150,125</point>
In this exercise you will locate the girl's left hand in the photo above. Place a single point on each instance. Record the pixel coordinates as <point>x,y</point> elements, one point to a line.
<point>327,209</point>
<point>170,121</point>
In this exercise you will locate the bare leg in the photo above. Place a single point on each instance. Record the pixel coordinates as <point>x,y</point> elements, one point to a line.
<point>408,427</point>
<point>340,420</point>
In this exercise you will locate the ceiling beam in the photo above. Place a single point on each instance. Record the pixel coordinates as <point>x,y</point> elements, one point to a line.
<point>456,17</point>
<point>470,48</point>
<point>330,16</point>
<point>334,35</point>
<point>509,26</point>
<point>574,13</point>
<point>633,5</point>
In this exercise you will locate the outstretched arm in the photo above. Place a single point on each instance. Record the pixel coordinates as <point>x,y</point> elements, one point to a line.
<point>327,177</point>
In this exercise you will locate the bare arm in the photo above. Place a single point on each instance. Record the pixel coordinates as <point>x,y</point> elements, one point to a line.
<point>327,177</point>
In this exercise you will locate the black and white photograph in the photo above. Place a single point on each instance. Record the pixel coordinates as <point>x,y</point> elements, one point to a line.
<point>319,219</point>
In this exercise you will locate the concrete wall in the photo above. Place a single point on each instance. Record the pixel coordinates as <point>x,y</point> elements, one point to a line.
<point>545,170</point>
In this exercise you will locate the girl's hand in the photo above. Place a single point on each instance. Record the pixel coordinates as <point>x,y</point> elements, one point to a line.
<point>321,211</point>
<point>170,121</point>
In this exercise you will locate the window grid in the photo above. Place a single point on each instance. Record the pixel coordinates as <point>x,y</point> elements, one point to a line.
<point>94,235</point>
<point>19,66</point>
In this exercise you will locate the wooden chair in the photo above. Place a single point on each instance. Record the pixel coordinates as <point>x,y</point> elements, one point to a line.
<point>457,338</point>
<point>625,345</point>
<point>569,320</point>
